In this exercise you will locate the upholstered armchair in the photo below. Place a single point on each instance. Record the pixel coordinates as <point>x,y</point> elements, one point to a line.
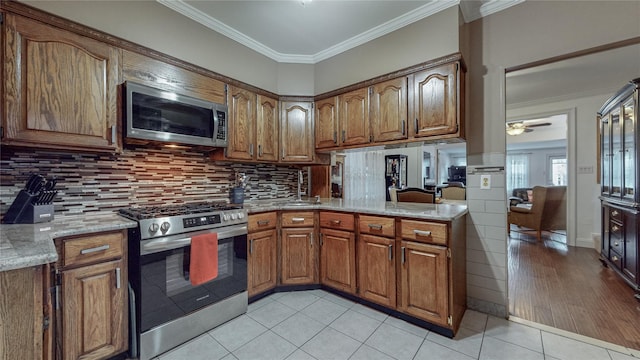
<point>547,211</point>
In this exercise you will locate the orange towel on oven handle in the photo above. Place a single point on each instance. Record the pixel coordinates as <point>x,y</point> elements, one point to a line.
<point>204,258</point>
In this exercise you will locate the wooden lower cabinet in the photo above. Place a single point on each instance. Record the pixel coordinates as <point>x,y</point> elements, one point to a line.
<point>24,306</point>
<point>338,260</point>
<point>297,256</point>
<point>377,270</point>
<point>262,261</point>
<point>91,278</point>
<point>424,282</point>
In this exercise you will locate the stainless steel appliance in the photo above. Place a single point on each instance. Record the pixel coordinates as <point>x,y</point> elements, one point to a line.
<point>163,116</point>
<point>166,310</point>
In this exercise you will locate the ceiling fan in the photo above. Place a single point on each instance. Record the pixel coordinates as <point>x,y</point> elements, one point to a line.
<point>519,127</point>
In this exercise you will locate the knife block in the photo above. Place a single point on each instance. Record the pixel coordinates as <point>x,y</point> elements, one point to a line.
<point>23,211</point>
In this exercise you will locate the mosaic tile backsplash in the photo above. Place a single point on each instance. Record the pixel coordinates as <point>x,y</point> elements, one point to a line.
<point>139,176</point>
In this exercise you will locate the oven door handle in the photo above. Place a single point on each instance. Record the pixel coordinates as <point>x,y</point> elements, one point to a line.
<point>169,243</point>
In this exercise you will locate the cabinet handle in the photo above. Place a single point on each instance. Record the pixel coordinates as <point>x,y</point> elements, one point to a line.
<point>390,252</point>
<point>95,249</point>
<point>251,246</point>
<point>297,219</point>
<point>321,242</point>
<point>403,126</point>
<point>311,240</point>
<point>260,150</point>
<point>282,154</point>
<point>251,149</point>
<point>335,137</point>
<point>117,278</point>
<point>375,226</point>
<point>335,222</point>
<point>113,134</point>
<point>416,126</point>
<point>402,257</point>
<point>614,213</point>
<point>57,289</point>
<point>422,233</point>
<point>344,134</point>
<point>263,222</point>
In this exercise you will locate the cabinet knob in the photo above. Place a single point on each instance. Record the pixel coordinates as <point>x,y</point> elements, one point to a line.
<point>615,228</point>
<point>615,258</point>
<point>616,244</point>
<point>614,213</point>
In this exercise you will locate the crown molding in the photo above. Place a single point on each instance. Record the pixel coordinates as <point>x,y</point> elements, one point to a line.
<point>471,12</point>
<point>381,30</point>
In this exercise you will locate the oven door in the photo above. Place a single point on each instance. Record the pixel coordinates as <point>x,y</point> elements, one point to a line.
<point>165,290</point>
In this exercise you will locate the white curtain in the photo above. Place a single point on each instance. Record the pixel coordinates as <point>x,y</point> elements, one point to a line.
<point>517,172</point>
<point>364,176</point>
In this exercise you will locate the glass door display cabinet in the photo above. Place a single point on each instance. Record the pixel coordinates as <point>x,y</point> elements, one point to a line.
<point>619,183</point>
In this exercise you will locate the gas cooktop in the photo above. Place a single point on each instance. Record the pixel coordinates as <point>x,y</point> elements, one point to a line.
<point>150,212</point>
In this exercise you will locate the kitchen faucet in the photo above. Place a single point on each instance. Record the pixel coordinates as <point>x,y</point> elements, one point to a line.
<point>300,181</point>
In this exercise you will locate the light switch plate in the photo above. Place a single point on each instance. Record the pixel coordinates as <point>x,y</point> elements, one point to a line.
<point>485,181</point>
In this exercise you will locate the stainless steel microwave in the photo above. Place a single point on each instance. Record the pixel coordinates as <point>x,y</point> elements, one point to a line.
<point>163,116</point>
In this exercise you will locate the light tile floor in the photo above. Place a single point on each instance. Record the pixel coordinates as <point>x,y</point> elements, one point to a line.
<point>316,324</point>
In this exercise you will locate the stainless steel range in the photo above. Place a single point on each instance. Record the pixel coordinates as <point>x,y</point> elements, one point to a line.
<point>166,309</point>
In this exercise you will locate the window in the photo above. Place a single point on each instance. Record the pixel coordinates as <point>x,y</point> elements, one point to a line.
<point>558,170</point>
<point>517,172</point>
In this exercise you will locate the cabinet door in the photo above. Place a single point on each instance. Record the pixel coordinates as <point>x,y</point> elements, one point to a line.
<point>296,131</point>
<point>605,155</point>
<point>377,270</point>
<point>630,261</point>
<point>424,282</point>
<point>298,262</point>
<point>435,101</point>
<point>354,117</point>
<point>242,107</point>
<point>94,318</point>
<point>616,153</point>
<point>262,261</point>
<point>70,104</point>
<point>337,260</point>
<point>267,129</point>
<point>326,123</point>
<point>389,110</point>
<point>629,150</point>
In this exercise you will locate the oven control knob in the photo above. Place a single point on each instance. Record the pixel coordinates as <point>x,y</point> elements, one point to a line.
<point>153,228</point>
<point>240,215</point>
<point>165,227</point>
<point>225,217</point>
<point>233,216</point>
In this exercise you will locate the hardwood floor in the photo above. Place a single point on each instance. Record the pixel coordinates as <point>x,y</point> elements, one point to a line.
<point>568,288</point>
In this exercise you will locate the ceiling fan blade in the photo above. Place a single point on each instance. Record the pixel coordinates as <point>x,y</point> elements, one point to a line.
<point>538,124</point>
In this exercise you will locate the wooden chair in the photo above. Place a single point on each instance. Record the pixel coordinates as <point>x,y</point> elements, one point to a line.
<point>415,195</point>
<point>454,193</point>
<point>547,212</point>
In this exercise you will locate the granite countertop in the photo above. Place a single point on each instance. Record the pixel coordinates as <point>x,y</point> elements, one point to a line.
<point>446,211</point>
<point>24,245</point>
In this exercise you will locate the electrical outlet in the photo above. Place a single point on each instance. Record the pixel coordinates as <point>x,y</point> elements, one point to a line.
<point>485,181</point>
<point>585,169</point>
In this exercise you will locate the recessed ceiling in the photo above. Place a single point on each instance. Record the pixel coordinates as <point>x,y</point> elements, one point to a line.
<point>307,31</point>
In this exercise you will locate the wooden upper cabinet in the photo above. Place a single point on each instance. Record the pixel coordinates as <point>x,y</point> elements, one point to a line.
<point>389,110</point>
<point>435,101</point>
<point>242,108</point>
<point>145,70</point>
<point>296,131</point>
<point>353,118</point>
<point>60,88</point>
<point>267,129</point>
<point>326,123</point>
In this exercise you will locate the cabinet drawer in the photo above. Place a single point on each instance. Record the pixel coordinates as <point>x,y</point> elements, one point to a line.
<point>297,219</point>
<point>616,259</point>
<point>615,214</point>
<point>422,231</point>
<point>262,221</point>
<point>94,248</point>
<point>335,220</point>
<point>384,226</point>
<point>616,237</point>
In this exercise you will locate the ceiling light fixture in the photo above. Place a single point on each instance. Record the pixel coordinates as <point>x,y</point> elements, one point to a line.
<point>514,129</point>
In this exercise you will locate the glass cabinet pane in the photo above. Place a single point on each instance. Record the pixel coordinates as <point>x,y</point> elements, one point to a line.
<point>616,153</point>
<point>628,138</point>
<point>605,165</point>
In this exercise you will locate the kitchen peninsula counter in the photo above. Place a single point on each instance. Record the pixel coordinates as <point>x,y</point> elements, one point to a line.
<point>446,211</point>
<point>24,245</point>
